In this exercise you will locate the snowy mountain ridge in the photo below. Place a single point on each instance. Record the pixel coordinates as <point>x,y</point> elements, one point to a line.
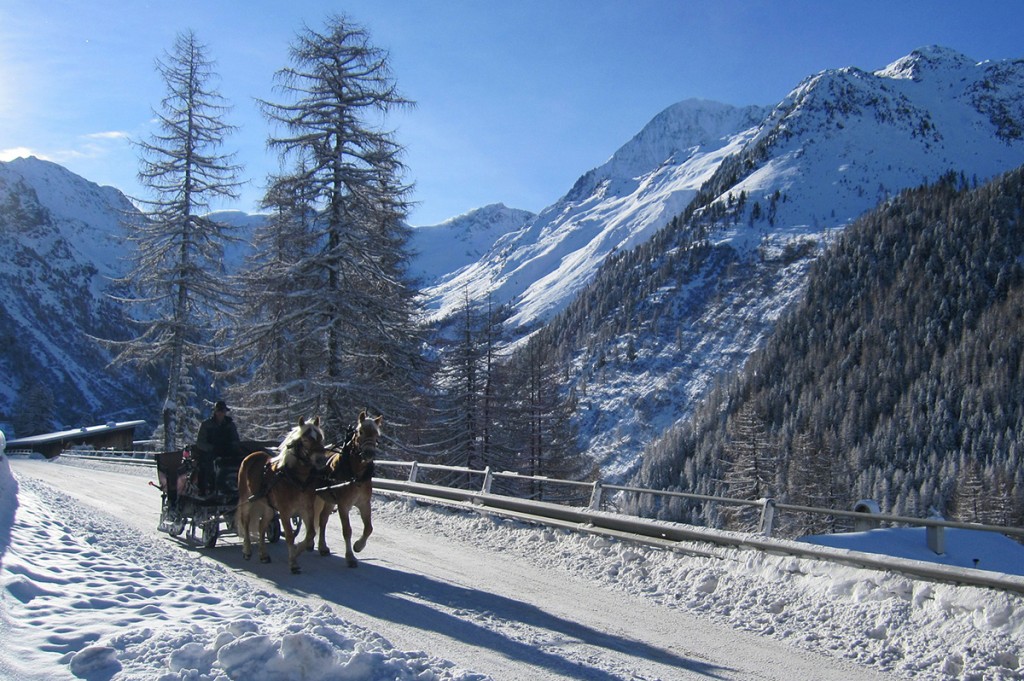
<point>440,250</point>
<point>767,188</point>
<point>62,241</point>
<point>544,264</point>
<point>840,142</point>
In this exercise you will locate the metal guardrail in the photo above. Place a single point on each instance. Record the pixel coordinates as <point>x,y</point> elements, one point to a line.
<point>768,506</point>
<point>689,539</point>
<point>134,458</point>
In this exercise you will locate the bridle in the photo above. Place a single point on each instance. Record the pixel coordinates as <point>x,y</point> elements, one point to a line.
<point>308,444</point>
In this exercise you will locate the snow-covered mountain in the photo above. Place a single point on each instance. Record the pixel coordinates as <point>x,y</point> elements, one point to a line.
<point>839,143</point>
<point>441,250</point>
<point>762,185</point>
<point>766,188</point>
<point>61,240</point>
<point>542,265</point>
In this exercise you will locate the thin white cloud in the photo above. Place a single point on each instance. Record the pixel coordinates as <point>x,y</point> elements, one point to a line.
<point>110,135</point>
<point>21,152</point>
<point>91,146</point>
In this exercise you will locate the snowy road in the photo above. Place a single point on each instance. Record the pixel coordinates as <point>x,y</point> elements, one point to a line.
<point>489,611</point>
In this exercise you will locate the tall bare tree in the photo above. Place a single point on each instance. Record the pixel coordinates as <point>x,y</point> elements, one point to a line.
<point>336,94</point>
<point>178,281</point>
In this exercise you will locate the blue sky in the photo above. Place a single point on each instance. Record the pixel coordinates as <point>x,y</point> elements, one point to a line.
<point>515,100</point>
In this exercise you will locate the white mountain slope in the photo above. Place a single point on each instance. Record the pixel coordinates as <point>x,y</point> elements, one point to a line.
<point>61,241</point>
<point>846,139</point>
<point>616,206</point>
<point>444,249</point>
<point>838,144</point>
<point>773,183</point>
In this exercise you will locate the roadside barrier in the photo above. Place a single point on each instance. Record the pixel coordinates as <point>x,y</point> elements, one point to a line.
<point>679,537</point>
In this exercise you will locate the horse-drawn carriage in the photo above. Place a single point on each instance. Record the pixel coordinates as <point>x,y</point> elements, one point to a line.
<point>202,518</point>
<point>275,490</point>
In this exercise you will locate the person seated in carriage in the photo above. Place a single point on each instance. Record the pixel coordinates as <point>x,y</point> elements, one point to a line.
<point>217,441</point>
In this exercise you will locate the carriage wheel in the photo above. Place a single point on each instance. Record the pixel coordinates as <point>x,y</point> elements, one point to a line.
<point>211,531</point>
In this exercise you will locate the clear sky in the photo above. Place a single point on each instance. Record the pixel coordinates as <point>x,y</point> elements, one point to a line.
<point>515,98</point>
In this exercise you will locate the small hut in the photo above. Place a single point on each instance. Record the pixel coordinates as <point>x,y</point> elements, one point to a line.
<point>116,436</point>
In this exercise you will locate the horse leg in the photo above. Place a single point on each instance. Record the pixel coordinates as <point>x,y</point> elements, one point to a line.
<point>322,512</point>
<point>311,529</point>
<point>242,523</point>
<point>289,537</point>
<point>346,532</point>
<point>364,512</point>
<point>265,516</point>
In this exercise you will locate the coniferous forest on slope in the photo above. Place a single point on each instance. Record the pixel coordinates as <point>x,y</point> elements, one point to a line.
<point>898,377</point>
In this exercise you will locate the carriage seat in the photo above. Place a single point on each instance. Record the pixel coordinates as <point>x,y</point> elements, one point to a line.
<point>225,468</point>
<point>173,469</point>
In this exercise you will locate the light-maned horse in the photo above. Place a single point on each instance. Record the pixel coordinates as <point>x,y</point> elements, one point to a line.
<point>285,483</point>
<point>349,477</point>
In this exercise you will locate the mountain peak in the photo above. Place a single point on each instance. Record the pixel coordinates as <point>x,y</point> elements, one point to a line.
<point>678,132</point>
<point>929,59</point>
<point>461,240</point>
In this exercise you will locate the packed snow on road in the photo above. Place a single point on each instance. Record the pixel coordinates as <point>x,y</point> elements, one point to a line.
<point>92,591</point>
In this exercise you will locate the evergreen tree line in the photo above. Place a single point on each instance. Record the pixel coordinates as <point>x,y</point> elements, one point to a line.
<point>898,377</point>
<point>493,407</point>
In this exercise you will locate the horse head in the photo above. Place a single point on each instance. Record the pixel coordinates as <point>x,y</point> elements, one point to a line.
<point>367,437</point>
<point>354,460</point>
<point>304,444</point>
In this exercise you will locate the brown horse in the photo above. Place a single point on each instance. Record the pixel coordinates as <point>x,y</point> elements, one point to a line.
<point>285,483</point>
<point>350,479</point>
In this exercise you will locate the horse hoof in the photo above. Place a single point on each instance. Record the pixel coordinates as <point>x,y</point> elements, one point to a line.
<point>325,552</point>
<point>246,556</point>
<point>264,559</point>
<point>296,570</point>
<point>359,546</point>
<point>352,563</point>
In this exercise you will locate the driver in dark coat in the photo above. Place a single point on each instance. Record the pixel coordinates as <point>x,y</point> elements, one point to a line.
<point>218,439</point>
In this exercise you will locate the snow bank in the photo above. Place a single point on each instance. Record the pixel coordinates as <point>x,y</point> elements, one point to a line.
<point>84,599</point>
<point>893,623</point>
<point>963,548</point>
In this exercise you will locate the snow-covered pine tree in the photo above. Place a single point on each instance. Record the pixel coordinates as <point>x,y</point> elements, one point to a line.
<point>336,96</point>
<point>456,423</point>
<point>177,281</point>
<point>470,394</point>
<point>272,341</point>
<point>540,429</point>
<point>751,467</point>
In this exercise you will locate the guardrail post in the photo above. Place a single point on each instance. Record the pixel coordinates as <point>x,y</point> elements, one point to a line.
<point>767,516</point>
<point>486,489</point>
<point>413,469</point>
<point>936,536</point>
<point>595,496</point>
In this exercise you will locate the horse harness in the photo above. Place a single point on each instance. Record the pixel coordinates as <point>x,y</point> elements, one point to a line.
<point>272,476</point>
<point>343,473</point>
